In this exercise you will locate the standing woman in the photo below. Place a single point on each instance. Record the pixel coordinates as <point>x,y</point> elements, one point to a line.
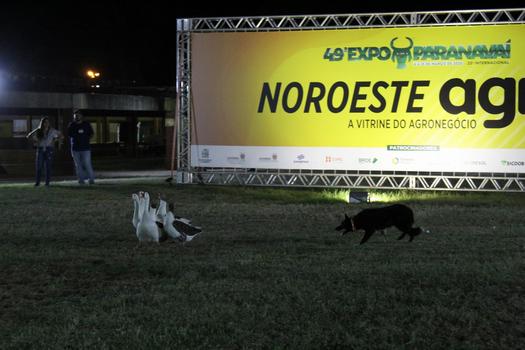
<point>44,138</point>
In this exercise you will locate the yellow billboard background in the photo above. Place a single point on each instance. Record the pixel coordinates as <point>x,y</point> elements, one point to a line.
<point>229,69</point>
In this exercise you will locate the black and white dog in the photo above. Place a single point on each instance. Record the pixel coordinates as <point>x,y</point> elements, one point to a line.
<point>371,220</point>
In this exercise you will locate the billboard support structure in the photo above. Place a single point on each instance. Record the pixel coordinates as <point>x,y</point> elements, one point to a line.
<point>182,117</point>
<point>418,180</point>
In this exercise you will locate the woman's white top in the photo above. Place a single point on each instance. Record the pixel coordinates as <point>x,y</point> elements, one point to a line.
<point>48,140</point>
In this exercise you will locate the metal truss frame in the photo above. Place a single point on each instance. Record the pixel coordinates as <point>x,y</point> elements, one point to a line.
<point>183,88</point>
<point>505,182</point>
<point>361,179</point>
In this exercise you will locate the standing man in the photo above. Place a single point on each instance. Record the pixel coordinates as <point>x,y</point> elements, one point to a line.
<point>80,132</point>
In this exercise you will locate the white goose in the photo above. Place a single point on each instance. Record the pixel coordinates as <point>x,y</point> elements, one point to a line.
<point>136,212</point>
<point>180,228</point>
<point>177,228</point>
<point>161,210</point>
<point>184,220</point>
<point>147,228</point>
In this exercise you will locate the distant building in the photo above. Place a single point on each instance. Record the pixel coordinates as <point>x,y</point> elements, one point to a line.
<point>131,132</point>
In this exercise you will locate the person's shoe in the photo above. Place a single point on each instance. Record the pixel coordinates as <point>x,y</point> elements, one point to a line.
<point>81,183</point>
<point>91,182</point>
<point>37,184</point>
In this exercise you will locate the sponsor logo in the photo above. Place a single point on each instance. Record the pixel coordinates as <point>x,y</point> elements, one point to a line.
<point>367,160</point>
<point>476,162</point>
<point>512,163</point>
<point>205,156</point>
<point>397,160</point>
<point>237,159</point>
<point>300,159</point>
<point>272,158</point>
<point>333,159</point>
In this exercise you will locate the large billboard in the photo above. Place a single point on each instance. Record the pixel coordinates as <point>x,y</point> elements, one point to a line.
<point>448,98</point>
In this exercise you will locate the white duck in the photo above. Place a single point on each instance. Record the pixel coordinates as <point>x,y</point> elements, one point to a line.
<point>148,229</point>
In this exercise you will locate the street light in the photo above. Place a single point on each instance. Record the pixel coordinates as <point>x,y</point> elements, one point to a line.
<point>92,74</point>
<point>93,77</point>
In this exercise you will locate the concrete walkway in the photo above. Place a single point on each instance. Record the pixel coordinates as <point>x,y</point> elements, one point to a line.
<point>133,173</point>
<point>102,175</point>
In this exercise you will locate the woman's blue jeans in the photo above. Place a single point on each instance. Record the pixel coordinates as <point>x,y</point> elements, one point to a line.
<point>44,159</point>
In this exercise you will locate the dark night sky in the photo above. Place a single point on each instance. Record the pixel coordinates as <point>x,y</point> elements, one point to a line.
<point>128,41</point>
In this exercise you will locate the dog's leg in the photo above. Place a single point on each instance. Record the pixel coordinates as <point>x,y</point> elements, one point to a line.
<point>413,233</point>
<point>367,236</point>
<point>402,235</point>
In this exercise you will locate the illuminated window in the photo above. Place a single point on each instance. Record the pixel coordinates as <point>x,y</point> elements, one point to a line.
<point>97,124</point>
<point>113,132</point>
<point>116,129</point>
<point>20,128</point>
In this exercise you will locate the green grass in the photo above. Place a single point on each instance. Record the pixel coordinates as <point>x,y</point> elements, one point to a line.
<point>269,272</point>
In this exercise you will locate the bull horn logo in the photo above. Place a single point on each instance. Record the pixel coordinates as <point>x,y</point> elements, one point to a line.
<point>401,54</point>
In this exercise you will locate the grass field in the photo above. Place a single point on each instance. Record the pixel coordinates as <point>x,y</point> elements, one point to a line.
<point>269,272</point>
